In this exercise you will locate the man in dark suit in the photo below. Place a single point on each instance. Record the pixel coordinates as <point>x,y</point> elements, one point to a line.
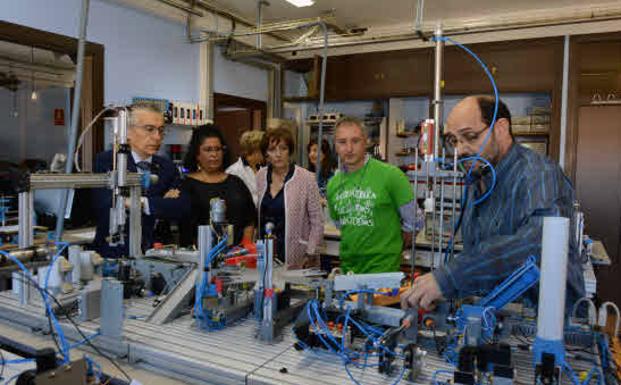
<point>162,200</point>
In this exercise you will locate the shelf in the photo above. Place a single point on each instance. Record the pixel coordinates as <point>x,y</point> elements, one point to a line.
<point>406,134</point>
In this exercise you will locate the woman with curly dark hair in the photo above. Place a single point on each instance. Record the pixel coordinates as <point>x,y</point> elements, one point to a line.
<point>206,160</point>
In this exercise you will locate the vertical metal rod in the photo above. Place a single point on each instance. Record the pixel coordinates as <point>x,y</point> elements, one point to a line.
<point>25,211</point>
<point>453,219</point>
<point>322,91</point>
<point>122,157</point>
<point>135,228</point>
<point>269,266</point>
<point>437,89</point>
<point>259,22</point>
<point>431,196</point>
<point>205,244</point>
<point>75,116</point>
<point>441,214</point>
<point>420,7</point>
<point>413,253</point>
<point>564,102</point>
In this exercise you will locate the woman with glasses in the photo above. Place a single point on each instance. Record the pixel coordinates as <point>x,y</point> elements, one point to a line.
<point>205,161</point>
<point>289,199</point>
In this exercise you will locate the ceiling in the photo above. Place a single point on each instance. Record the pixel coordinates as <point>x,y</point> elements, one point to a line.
<point>373,25</point>
<point>376,13</point>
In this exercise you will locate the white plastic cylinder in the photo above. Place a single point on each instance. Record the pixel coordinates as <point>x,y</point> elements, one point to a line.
<point>75,259</point>
<point>87,270</point>
<point>553,282</point>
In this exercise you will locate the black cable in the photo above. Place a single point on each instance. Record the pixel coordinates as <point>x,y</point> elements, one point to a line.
<point>47,314</point>
<point>82,334</point>
<point>250,373</point>
<point>53,334</point>
<point>89,343</point>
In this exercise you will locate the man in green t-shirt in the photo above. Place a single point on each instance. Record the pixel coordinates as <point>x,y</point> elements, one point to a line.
<point>371,202</point>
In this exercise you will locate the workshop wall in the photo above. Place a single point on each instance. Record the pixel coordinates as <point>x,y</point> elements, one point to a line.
<point>144,55</point>
<point>239,79</point>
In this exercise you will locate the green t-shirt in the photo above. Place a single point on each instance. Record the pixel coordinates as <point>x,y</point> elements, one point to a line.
<point>366,204</point>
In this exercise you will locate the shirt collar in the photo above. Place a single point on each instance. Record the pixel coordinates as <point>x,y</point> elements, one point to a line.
<point>287,177</point>
<point>366,160</point>
<point>137,159</point>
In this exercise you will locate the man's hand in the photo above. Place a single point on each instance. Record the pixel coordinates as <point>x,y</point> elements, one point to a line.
<point>423,293</point>
<point>173,193</point>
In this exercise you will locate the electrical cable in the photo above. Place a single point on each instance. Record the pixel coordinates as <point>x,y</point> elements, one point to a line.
<point>348,357</point>
<point>592,315</point>
<point>604,315</point>
<point>202,285</point>
<point>30,281</point>
<point>90,344</point>
<point>3,365</point>
<point>82,136</point>
<point>48,307</point>
<point>494,87</point>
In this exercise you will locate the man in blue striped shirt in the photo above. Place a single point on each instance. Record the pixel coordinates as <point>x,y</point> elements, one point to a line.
<point>503,230</point>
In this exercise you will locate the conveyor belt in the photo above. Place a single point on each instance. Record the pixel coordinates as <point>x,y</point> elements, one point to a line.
<point>232,355</point>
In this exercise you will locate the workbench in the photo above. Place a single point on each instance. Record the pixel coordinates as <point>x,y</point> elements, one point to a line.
<point>229,356</point>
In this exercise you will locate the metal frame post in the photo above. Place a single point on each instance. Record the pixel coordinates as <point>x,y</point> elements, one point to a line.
<point>25,237</point>
<point>135,225</point>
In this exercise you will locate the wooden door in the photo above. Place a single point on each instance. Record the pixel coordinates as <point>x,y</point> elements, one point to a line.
<point>598,186</point>
<point>232,123</point>
<point>235,115</point>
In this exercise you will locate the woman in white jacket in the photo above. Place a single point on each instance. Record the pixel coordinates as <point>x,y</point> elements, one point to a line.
<point>251,158</point>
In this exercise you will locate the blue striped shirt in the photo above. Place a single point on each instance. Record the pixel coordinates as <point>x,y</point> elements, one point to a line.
<point>500,233</point>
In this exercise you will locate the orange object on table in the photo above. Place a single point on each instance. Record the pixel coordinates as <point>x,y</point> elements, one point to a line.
<point>248,260</point>
<point>385,300</point>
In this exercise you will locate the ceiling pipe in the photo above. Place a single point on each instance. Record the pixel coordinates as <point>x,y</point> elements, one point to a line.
<point>184,8</point>
<point>345,41</point>
<point>233,17</point>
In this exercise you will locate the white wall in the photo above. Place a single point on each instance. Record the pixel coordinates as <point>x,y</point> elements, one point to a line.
<point>144,55</point>
<point>239,79</point>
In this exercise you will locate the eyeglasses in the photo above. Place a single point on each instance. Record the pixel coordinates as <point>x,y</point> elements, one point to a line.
<point>213,149</point>
<point>151,130</point>
<point>468,137</point>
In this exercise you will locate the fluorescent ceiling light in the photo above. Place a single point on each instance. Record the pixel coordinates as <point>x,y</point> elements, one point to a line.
<point>301,3</point>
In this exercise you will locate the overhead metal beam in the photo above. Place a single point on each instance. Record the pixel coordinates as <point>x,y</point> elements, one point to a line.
<point>182,7</point>
<point>349,41</point>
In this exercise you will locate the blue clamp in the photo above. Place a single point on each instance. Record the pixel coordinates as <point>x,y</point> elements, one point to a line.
<point>514,286</point>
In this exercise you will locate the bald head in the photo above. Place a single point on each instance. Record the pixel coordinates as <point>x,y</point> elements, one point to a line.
<point>468,124</point>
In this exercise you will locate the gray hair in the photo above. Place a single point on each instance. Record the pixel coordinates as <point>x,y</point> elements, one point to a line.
<point>142,106</point>
<point>351,120</point>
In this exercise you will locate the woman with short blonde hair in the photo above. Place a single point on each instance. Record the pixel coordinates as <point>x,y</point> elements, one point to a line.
<point>248,163</point>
